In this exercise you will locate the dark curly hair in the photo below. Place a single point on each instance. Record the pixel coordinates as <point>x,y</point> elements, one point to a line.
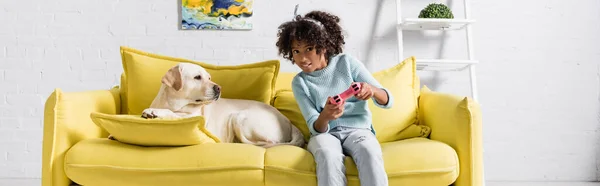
<point>303,29</point>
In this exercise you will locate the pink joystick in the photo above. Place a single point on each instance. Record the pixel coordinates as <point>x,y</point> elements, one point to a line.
<point>351,91</point>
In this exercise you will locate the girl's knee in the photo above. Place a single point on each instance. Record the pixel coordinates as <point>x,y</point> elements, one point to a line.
<point>325,146</point>
<point>323,137</point>
<point>369,152</point>
<point>328,155</point>
<point>366,149</point>
<point>323,140</point>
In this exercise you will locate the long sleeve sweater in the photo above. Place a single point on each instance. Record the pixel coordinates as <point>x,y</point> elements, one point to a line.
<point>311,91</point>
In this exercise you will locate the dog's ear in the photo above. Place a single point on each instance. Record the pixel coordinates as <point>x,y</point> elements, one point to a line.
<point>173,78</point>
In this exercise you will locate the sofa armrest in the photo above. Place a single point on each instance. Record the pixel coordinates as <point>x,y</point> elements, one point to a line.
<point>456,121</point>
<point>66,122</point>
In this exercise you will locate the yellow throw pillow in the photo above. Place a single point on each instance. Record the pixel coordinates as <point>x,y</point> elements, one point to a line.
<point>415,130</point>
<point>143,72</point>
<point>396,123</point>
<point>133,129</point>
<point>403,83</point>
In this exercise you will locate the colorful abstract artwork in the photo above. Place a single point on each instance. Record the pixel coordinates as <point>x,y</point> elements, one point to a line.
<point>216,14</point>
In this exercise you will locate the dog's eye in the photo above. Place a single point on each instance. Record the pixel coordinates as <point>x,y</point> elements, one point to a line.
<point>198,77</point>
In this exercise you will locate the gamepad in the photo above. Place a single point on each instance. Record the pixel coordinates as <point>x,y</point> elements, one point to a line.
<point>351,91</point>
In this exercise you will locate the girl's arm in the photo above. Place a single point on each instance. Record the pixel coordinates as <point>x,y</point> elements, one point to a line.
<point>321,125</point>
<point>308,109</point>
<point>381,96</point>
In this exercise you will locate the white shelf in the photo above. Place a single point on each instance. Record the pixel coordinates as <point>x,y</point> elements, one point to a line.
<point>444,64</point>
<point>434,24</point>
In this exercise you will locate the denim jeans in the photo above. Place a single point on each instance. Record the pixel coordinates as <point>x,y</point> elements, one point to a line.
<point>329,150</point>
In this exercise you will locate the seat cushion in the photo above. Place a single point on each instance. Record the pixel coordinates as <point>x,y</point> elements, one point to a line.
<point>143,72</point>
<point>108,162</point>
<point>415,161</point>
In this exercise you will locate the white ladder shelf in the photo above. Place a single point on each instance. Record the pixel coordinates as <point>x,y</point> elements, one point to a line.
<point>441,25</point>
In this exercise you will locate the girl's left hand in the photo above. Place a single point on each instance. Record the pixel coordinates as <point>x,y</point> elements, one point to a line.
<point>366,91</point>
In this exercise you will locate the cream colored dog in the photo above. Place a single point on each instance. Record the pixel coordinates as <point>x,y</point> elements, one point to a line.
<point>187,90</point>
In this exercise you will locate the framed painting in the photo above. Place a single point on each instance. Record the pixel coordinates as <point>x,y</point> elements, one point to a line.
<point>216,14</point>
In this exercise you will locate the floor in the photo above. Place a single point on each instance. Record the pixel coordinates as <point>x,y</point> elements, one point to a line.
<point>542,184</point>
<point>36,182</point>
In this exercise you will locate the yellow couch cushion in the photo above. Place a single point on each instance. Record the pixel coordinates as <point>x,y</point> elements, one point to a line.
<point>133,129</point>
<point>108,162</point>
<point>143,72</point>
<point>416,161</point>
<point>396,123</point>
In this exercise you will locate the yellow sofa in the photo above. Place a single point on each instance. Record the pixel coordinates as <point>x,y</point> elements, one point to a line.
<point>77,151</point>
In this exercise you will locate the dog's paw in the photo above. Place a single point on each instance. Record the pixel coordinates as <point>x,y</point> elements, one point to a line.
<point>151,113</point>
<point>148,114</point>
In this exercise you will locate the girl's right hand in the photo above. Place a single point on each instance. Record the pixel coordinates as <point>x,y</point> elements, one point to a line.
<point>332,111</point>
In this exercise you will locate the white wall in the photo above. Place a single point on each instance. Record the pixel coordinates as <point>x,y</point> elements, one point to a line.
<point>538,78</point>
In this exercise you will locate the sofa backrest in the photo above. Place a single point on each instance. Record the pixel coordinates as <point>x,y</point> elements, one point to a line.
<point>143,72</point>
<point>284,81</point>
<point>390,124</point>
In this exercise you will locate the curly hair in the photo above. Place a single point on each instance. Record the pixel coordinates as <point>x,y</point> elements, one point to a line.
<point>327,36</point>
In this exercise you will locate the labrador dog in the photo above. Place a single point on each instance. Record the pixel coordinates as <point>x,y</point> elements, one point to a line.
<point>187,91</point>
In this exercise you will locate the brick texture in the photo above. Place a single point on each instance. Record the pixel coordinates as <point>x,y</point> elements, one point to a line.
<point>538,82</point>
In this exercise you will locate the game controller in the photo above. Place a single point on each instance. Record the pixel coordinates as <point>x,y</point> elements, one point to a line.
<point>351,91</point>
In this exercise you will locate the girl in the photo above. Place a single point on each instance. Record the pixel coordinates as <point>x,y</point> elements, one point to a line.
<point>314,43</point>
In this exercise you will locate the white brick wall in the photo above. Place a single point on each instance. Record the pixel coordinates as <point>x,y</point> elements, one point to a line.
<point>538,81</point>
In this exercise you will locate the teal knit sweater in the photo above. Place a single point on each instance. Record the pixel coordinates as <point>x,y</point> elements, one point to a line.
<point>312,89</point>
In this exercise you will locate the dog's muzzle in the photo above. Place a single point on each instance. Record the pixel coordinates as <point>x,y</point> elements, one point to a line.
<point>217,90</point>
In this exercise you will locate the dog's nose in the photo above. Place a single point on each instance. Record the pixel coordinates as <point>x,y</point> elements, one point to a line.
<point>217,88</point>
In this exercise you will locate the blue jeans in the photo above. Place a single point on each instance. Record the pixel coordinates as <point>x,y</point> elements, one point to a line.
<point>330,149</point>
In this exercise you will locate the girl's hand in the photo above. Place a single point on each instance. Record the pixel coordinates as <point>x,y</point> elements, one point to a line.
<point>332,111</point>
<point>329,112</point>
<point>366,91</point>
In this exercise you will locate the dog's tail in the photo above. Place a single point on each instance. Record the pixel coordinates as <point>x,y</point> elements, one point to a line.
<point>238,119</point>
<point>297,139</point>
